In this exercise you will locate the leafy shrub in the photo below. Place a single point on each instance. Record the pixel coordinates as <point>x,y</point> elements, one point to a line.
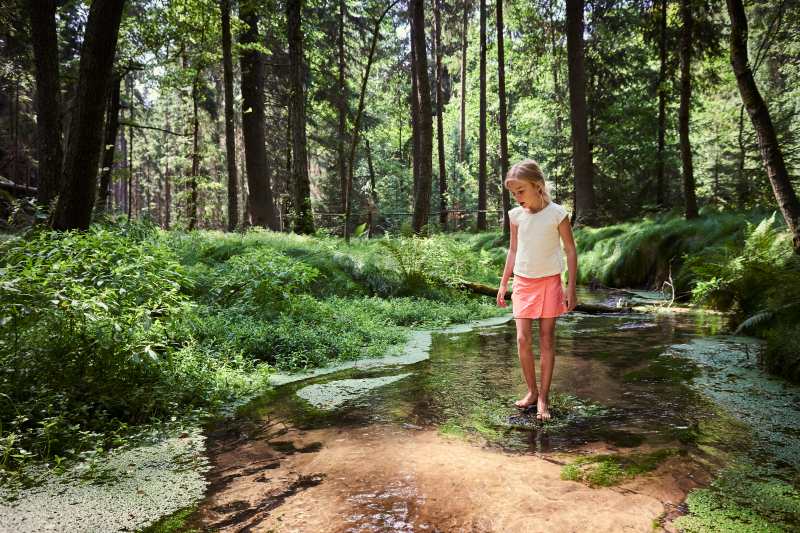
<point>86,340</point>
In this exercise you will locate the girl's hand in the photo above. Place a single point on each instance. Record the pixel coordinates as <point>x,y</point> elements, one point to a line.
<point>571,300</point>
<point>501,295</point>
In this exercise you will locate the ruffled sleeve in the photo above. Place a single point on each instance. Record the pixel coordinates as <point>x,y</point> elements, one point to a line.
<point>513,215</point>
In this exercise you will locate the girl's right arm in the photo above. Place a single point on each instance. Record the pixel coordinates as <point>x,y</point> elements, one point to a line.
<point>509,268</point>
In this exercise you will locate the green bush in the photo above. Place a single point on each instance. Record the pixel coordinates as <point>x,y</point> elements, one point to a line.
<point>86,341</point>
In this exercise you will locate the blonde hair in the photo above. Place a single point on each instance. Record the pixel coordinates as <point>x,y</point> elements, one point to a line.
<point>529,170</point>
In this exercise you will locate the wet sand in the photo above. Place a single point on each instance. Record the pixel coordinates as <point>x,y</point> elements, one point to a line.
<point>393,478</point>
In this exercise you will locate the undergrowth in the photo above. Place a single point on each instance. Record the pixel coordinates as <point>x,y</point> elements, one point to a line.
<point>107,331</point>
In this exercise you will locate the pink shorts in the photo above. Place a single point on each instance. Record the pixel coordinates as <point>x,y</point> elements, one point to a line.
<point>538,297</point>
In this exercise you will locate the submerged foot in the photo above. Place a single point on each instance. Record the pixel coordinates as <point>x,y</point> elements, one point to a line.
<point>529,399</point>
<point>542,410</point>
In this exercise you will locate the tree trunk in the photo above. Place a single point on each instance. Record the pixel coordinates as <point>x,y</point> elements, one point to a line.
<point>414,122</point>
<point>557,88</point>
<point>195,156</point>
<point>423,96</point>
<point>373,196</point>
<point>771,152</point>
<point>112,129</point>
<point>481,219</point>
<point>230,126</point>
<point>304,221</point>
<point>341,108</point>
<point>75,203</point>
<point>48,107</point>
<point>129,146</point>
<point>253,126</point>
<point>357,124</point>
<point>462,130</point>
<point>684,111</point>
<point>437,43</point>
<point>662,102</point>
<point>742,185</point>
<point>581,155</point>
<point>167,196</point>
<point>503,119</point>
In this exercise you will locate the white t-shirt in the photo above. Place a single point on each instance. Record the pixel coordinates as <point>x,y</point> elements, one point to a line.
<point>538,241</point>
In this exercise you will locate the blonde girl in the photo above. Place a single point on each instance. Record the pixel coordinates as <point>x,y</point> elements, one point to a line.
<point>538,227</point>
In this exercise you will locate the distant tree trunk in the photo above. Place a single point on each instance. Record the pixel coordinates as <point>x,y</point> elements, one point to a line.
<point>48,107</point>
<point>437,43</point>
<point>195,156</point>
<point>462,130</point>
<point>373,196</point>
<point>304,221</point>
<point>129,146</point>
<point>423,96</point>
<point>230,126</point>
<point>581,154</point>
<point>742,185</point>
<point>341,104</point>
<point>357,122</point>
<point>557,88</point>
<point>662,101</point>
<point>253,125</point>
<point>684,111</point>
<point>75,203</point>
<point>111,131</point>
<point>503,119</point>
<point>771,152</point>
<point>414,121</point>
<point>481,219</point>
<point>167,197</point>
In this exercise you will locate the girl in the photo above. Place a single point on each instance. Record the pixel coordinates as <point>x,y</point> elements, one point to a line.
<point>538,225</point>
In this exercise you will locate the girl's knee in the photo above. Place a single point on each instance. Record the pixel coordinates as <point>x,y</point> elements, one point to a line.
<point>524,341</point>
<point>547,339</point>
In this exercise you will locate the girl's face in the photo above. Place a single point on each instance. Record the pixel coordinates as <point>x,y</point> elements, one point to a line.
<point>526,193</point>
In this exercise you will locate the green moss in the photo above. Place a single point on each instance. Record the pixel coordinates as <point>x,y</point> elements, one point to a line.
<point>608,470</point>
<point>452,428</point>
<point>744,498</point>
<point>174,522</point>
<point>571,473</point>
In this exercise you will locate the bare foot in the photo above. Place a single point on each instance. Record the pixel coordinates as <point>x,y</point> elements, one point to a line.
<point>542,409</point>
<point>528,400</point>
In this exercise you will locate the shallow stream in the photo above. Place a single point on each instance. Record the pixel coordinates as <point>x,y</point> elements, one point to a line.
<point>638,381</point>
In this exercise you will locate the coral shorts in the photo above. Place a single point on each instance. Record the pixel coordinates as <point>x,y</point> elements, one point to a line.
<point>538,297</point>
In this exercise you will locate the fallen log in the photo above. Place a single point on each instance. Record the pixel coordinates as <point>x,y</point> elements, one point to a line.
<point>488,290</point>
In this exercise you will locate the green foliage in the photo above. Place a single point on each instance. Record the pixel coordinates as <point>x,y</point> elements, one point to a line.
<point>645,253</point>
<point>743,498</point>
<point>124,325</point>
<point>88,343</point>
<point>760,281</point>
<point>762,271</point>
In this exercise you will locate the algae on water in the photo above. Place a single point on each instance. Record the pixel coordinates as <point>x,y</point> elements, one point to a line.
<point>335,393</point>
<point>140,485</point>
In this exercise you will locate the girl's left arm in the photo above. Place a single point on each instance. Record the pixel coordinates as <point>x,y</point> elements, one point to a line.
<point>565,230</point>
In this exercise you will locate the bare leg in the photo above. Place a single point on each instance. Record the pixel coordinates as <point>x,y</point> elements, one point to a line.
<point>525,349</point>
<point>547,337</point>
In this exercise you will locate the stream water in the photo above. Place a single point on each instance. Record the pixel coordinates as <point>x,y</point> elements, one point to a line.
<point>630,381</point>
